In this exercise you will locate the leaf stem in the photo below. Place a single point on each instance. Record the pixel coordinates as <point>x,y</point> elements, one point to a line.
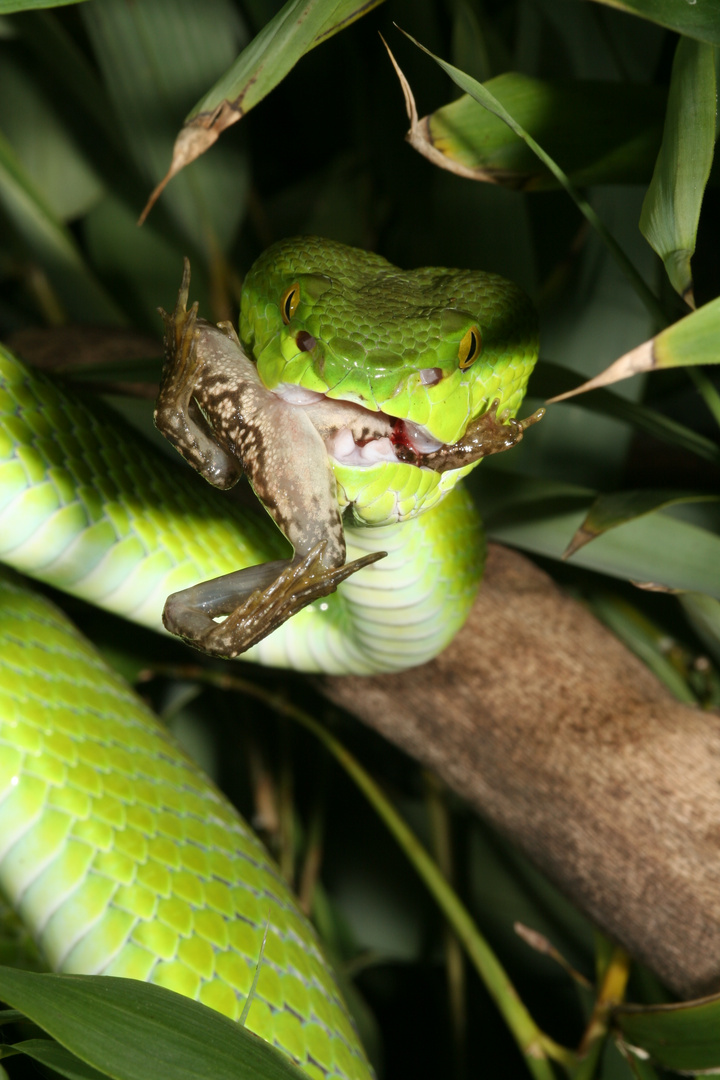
<point>611,992</point>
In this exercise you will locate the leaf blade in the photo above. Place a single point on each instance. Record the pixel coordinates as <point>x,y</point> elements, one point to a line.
<point>297,28</point>
<point>603,133</point>
<point>155,58</point>
<point>57,1057</point>
<point>550,381</point>
<point>701,21</point>
<point>658,549</point>
<point>117,1025</point>
<point>484,97</point>
<point>688,343</point>
<point>683,1036</point>
<point>618,507</point>
<point>49,241</point>
<point>671,209</point>
<point>8,7</point>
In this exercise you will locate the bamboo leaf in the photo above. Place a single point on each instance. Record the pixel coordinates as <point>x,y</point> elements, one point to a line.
<point>44,144</point>
<point>656,550</point>
<point>120,1026</point>
<point>616,508</point>
<point>10,1016</point>
<point>56,1057</point>
<point>703,612</point>
<point>8,6</point>
<point>297,28</point>
<point>51,243</point>
<point>671,210</point>
<point>644,639</point>
<point>602,132</point>
<point>484,97</point>
<point>701,21</point>
<point>684,1036</point>
<point>84,103</point>
<point>155,59</point>
<point>550,381</point>
<point>689,342</point>
<point>708,392</point>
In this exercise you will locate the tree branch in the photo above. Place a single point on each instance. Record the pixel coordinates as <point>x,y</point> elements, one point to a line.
<point>562,739</point>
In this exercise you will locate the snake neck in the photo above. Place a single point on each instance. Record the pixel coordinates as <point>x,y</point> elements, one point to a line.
<point>401,611</point>
<point>136,531</point>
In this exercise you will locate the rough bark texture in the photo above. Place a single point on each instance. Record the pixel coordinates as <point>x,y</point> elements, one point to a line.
<point>561,738</point>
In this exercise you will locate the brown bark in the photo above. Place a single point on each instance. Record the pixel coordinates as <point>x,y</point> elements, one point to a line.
<point>562,739</point>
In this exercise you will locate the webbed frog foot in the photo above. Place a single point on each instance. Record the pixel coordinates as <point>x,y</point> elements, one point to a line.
<point>486,435</point>
<point>254,609</point>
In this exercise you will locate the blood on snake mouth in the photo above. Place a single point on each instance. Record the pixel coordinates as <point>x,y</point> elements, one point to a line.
<point>355,435</point>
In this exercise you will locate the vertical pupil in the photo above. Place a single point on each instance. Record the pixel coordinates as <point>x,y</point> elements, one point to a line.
<point>289,303</point>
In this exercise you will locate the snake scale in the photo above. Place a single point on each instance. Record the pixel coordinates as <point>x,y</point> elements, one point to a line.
<point>355,398</point>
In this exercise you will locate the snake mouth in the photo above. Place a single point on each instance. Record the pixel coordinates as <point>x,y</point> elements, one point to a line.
<point>361,437</point>
<point>407,442</point>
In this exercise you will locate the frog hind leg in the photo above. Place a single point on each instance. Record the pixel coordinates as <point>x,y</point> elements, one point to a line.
<point>256,600</point>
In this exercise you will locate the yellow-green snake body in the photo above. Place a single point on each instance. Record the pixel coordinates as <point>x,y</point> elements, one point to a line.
<point>118,854</point>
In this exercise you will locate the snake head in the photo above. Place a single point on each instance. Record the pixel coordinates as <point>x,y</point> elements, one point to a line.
<point>434,347</point>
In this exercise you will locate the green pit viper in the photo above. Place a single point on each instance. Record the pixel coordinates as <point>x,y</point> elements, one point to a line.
<point>355,399</point>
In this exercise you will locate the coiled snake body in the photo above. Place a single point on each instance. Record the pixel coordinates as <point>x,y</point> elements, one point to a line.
<point>357,397</point>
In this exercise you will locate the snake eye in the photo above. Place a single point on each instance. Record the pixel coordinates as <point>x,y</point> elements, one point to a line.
<point>470,348</point>
<point>289,302</point>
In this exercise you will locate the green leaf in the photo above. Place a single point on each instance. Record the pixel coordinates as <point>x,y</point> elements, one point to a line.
<point>484,97</point>
<point>707,391</point>
<point>8,6</point>
<point>701,21</point>
<point>687,343</point>
<point>644,639</point>
<point>550,380</point>
<point>297,28</point>
<point>703,612</point>
<point>691,341</point>
<point>657,549</point>
<point>56,1057</point>
<point>617,507</point>
<point>671,210</point>
<point>10,1016</point>
<point>120,1026</point>
<point>43,143</point>
<point>51,244</point>
<point>684,1036</point>
<point>137,47</point>
<point>141,259</point>
<point>474,45</point>
<point>601,132</point>
<point>83,102</point>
